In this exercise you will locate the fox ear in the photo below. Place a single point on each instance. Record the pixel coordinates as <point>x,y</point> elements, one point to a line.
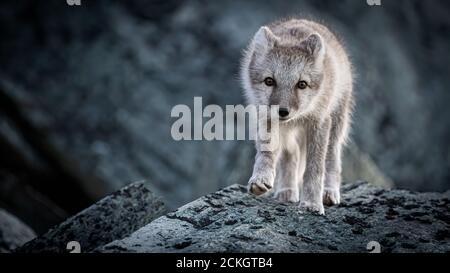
<point>265,39</point>
<point>314,45</point>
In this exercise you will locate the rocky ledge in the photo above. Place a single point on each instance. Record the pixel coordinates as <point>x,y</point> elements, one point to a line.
<point>231,220</point>
<point>112,218</point>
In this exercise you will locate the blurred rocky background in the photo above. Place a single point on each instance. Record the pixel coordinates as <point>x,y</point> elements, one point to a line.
<point>86,94</point>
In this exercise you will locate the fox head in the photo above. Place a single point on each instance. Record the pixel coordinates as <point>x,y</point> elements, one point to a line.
<point>285,71</point>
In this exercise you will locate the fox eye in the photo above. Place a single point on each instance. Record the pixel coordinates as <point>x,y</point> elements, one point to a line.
<point>302,84</point>
<point>269,81</point>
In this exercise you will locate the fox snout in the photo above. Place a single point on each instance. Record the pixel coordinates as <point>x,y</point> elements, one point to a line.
<point>287,105</point>
<point>283,112</point>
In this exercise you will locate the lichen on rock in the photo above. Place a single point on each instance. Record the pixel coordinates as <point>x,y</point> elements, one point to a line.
<point>231,220</point>
<point>111,218</point>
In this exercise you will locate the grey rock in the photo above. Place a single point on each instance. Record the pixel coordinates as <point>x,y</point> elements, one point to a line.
<point>111,218</point>
<point>13,232</point>
<point>231,220</point>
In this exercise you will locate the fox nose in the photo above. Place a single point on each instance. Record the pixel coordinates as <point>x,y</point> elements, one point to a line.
<point>283,112</point>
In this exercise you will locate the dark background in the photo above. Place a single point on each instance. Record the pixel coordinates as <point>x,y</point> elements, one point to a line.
<point>86,93</point>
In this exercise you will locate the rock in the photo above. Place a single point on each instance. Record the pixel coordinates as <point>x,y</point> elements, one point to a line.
<point>112,218</point>
<point>231,220</point>
<point>13,232</point>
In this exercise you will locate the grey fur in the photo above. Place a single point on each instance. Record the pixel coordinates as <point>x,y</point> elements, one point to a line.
<point>305,164</point>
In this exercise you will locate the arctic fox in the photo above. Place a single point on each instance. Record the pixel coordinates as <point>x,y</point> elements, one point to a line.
<point>301,67</point>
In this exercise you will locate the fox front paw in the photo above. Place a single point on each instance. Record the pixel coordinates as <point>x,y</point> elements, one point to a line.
<point>287,195</point>
<point>260,184</point>
<point>331,197</point>
<point>314,207</point>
